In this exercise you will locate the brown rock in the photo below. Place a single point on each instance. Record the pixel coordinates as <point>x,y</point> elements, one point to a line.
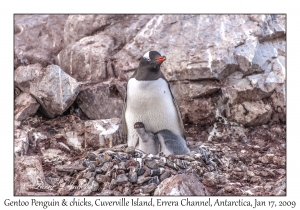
<point>21,142</point>
<point>87,60</point>
<point>181,184</point>
<point>102,178</point>
<point>250,113</point>
<point>151,164</point>
<point>121,27</point>
<point>30,177</point>
<point>25,106</point>
<point>103,133</point>
<point>101,101</point>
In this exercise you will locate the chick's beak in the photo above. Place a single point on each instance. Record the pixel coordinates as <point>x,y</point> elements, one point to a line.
<point>161,59</point>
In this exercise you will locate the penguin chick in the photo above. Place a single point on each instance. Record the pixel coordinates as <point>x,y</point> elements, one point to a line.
<point>147,142</point>
<point>171,143</point>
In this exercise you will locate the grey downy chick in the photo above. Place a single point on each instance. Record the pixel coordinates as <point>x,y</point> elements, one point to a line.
<point>171,143</point>
<point>149,144</point>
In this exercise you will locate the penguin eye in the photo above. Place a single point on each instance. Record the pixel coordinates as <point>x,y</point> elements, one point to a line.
<point>148,59</point>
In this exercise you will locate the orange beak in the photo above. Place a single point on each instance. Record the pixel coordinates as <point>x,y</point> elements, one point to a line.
<point>161,59</point>
<point>136,126</point>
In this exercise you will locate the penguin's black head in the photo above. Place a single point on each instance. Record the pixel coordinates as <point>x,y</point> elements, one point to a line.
<point>139,125</point>
<point>152,60</point>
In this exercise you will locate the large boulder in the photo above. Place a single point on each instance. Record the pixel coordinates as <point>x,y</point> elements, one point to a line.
<point>54,89</point>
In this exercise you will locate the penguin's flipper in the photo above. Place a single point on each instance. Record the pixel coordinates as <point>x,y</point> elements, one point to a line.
<point>179,116</point>
<point>124,125</point>
<point>178,111</point>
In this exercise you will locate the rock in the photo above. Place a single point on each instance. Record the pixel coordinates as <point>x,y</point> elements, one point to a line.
<point>25,76</point>
<point>149,188</point>
<point>206,56</point>
<point>75,140</point>
<point>122,178</point>
<point>21,142</point>
<point>69,168</point>
<point>250,113</point>
<point>141,179</point>
<point>121,27</point>
<point>279,104</point>
<point>53,88</point>
<point>17,92</point>
<point>151,164</point>
<point>189,90</point>
<point>102,178</point>
<point>103,133</point>
<point>106,193</point>
<point>132,177</point>
<point>79,26</point>
<point>101,101</point>
<point>164,176</point>
<point>25,106</point>
<point>87,60</point>
<point>65,190</point>
<point>273,27</point>
<point>38,38</point>
<point>53,157</point>
<point>31,180</point>
<point>181,185</point>
<point>83,192</point>
<point>213,178</point>
<point>200,111</point>
<point>93,185</point>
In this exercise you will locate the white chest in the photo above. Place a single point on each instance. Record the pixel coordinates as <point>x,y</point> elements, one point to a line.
<point>151,102</point>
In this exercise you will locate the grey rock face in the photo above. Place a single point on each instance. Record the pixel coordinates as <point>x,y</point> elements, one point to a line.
<point>38,38</point>
<point>121,27</point>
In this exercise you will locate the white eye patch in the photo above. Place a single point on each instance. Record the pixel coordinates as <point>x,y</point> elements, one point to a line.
<point>147,56</point>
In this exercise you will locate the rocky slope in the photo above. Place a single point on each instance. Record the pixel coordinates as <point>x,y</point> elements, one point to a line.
<point>227,73</point>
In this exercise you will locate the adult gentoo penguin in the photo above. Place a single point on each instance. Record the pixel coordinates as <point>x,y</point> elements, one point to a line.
<point>149,100</point>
